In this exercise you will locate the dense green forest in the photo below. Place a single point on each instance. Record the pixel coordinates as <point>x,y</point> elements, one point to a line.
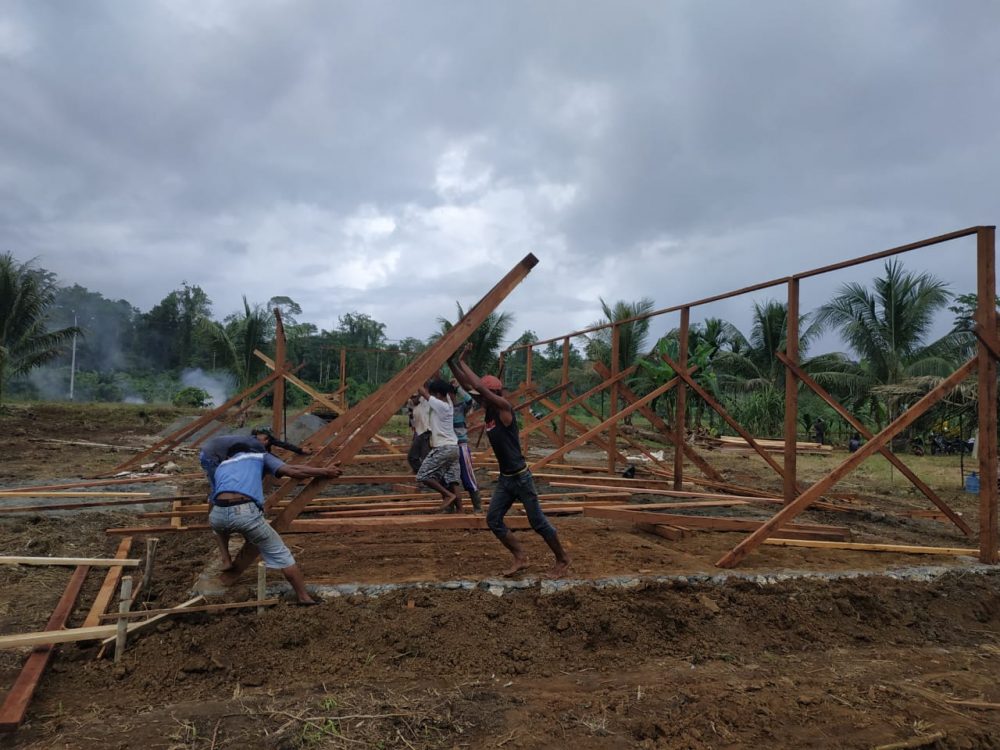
<point>72,339</point>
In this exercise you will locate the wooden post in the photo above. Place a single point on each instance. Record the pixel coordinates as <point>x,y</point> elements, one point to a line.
<point>528,357</point>
<point>565,394</point>
<point>147,573</point>
<point>343,376</point>
<point>613,406</point>
<point>278,401</point>
<point>261,585</point>
<point>123,606</point>
<point>986,320</point>
<point>791,390</point>
<point>681,412</point>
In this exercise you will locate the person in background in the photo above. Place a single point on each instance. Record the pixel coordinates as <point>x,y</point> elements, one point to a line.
<point>269,441</point>
<point>420,446</point>
<point>439,471</point>
<point>467,471</point>
<point>819,428</point>
<point>515,481</point>
<point>854,443</point>
<point>237,508</point>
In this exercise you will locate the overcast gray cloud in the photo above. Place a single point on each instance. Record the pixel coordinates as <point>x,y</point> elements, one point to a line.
<point>392,157</point>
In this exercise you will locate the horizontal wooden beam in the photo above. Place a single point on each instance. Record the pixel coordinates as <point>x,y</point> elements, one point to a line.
<point>94,504</point>
<point>871,547</point>
<point>704,522</point>
<point>185,610</point>
<point>95,562</point>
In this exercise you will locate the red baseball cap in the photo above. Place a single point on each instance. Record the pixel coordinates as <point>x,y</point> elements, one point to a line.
<point>491,382</point>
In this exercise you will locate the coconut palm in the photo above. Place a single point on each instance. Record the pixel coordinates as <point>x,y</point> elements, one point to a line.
<point>886,328</point>
<point>486,340</point>
<point>26,294</point>
<point>235,341</point>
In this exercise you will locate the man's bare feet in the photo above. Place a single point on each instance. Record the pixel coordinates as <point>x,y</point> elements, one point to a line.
<point>519,564</point>
<point>448,501</point>
<point>558,570</point>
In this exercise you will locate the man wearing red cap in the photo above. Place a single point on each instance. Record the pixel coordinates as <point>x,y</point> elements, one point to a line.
<point>515,481</point>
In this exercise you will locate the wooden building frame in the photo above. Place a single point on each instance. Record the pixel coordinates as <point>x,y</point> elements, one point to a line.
<point>796,497</point>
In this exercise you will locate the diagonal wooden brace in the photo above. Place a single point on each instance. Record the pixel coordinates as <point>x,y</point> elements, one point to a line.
<point>658,422</point>
<point>813,493</point>
<point>867,434</point>
<point>721,411</point>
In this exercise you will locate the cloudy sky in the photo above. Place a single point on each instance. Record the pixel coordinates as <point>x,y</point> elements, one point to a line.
<point>393,157</point>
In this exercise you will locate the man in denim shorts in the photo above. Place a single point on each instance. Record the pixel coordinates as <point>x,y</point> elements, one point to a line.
<point>515,482</point>
<point>237,508</point>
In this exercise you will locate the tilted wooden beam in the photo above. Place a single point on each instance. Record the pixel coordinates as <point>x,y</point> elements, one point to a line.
<point>352,430</point>
<point>813,493</point>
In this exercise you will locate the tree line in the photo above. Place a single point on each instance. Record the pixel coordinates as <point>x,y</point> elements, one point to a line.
<point>122,352</point>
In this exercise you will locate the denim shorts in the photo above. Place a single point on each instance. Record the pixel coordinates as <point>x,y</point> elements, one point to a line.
<point>248,521</point>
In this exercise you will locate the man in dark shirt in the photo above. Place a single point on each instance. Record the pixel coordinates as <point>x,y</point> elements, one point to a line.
<point>515,481</point>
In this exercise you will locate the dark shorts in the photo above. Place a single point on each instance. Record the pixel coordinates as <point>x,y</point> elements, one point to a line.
<point>510,489</point>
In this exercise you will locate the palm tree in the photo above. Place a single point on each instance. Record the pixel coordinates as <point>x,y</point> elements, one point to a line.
<point>25,297</point>
<point>486,340</point>
<point>236,341</point>
<point>886,327</point>
<point>631,337</point>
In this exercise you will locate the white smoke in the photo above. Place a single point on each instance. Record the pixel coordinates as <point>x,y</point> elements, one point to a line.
<point>218,386</point>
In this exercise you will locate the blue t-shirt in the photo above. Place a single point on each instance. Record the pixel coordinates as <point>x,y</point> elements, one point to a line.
<point>458,417</point>
<point>244,473</point>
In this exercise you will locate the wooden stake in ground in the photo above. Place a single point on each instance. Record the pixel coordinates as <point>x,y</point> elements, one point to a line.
<point>123,607</point>
<point>261,585</point>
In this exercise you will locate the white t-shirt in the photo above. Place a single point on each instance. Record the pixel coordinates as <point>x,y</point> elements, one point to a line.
<point>442,423</point>
<point>421,417</point>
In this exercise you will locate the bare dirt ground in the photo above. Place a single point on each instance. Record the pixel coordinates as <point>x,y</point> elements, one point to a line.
<point>851,663</point>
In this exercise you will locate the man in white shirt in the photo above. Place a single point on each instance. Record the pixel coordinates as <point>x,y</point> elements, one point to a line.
<point>439,470</point>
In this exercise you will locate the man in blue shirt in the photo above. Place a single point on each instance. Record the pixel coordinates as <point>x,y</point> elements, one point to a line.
<point>237,508</point>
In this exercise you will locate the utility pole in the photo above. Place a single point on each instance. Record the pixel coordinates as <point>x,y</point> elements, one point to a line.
<point>72,362</point>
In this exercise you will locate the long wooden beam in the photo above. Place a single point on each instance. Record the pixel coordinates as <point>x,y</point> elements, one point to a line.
<point>634,513</point>
<point>813,493</point>
<point>187,610</point>
<point>107,482</point>
<point>97,562</point>
<point>352,430</point>
<point>108,587</point>
<point>18,698</point>
<point>791,354</point>
<point>867,434</point>
<point>869,547</point>
<point>94,504</point>
<point>986,320</point>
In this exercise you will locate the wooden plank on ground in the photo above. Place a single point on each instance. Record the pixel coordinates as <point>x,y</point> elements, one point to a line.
<point>703,522</point>
<point>185,610</point>
<point>872,547</point>
<point>29,493</point>
<point>93,504</point>
<point>15,704</point>
<point>108,587</point>
<point>97,562</point>
<point>667,531</point>
<point>412,522</point>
